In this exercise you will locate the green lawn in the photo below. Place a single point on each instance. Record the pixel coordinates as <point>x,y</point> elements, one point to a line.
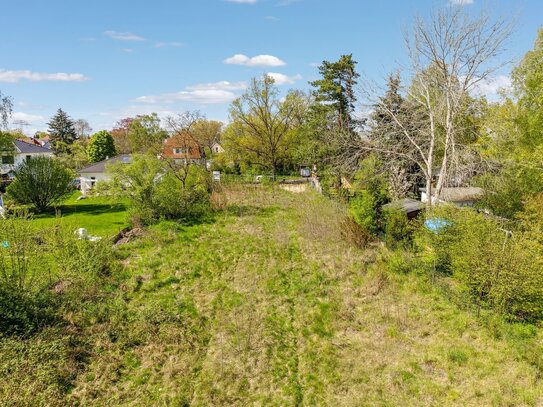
<point>103,216</point>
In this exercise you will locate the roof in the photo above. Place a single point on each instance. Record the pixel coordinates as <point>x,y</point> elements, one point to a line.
<point>183,141</point>
<point>27,148</point>
<point>101,166</point>
<point>461,194</point>
<point>406,205</point>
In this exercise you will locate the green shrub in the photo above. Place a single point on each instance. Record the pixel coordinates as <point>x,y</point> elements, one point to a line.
<point>498,269</point>
<point>362,208</point>
<point>161,190</point>
<point>397,229</point>
<point>41,182</point>
<point>172,200</point>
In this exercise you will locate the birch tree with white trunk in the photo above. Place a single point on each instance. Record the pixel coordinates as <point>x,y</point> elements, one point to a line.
<point>450,55</point>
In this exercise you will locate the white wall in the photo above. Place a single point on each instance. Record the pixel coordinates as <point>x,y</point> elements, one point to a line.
<point>20,158</point>
<point>87,181</point>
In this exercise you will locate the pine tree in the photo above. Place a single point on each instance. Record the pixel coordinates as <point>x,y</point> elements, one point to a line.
<point>101,146</point>
<point>383,126</point>
<point>62,132</point>
<point>335,91</point>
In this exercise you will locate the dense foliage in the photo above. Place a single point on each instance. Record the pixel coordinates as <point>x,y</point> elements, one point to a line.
<point>41,182</point>
<point>101,146</point>
<point>156,191</point>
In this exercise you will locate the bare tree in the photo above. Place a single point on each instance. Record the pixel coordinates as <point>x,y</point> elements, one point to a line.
<point>183,121</point>
<point>6,108</point>
<point>450,56</point>
<point>82,128</point>
<point>180,128</point>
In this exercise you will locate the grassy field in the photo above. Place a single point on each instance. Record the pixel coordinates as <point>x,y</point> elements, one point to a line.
<point>265,304</point>
<point>103,216</point>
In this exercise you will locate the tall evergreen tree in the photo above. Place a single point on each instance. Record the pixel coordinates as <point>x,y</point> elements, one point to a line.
<point>389,139</point>
<point>383,124</point>
<point>335,90</point>
<point>62,132</point>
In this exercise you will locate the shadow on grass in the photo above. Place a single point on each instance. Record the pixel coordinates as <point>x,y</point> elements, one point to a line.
<point>88,209</point>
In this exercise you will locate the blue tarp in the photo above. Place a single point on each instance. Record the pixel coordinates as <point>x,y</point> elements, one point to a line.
<point>437,225</point>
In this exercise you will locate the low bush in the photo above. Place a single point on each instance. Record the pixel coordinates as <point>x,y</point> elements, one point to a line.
<point>362,208</point>
<point>398,232</point>
<point>354,233</point>
<point>173,200</point>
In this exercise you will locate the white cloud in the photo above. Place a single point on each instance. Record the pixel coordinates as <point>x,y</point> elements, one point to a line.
<point>123,36</point>
<point>205,93</point>
<point>163,44</point>
<point>221,85</point>
<point>26,117</point>
<point>259,60</point>
<point>460,2</point>
<point>281,79</point>
<point>242,1</point>
<point>490,87</point>
<point>16,76</point>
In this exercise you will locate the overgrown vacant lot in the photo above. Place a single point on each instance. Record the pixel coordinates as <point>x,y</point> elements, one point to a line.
<point>267,305</point>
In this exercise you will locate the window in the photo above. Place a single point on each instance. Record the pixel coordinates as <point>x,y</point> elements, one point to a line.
<point>8,159</point>
<point>178,151</point>
<point>28,157</point>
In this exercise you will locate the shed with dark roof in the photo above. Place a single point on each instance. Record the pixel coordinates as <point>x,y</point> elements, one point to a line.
<point>410,207</point>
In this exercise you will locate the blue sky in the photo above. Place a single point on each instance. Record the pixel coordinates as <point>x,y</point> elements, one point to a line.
<point>105,60</point>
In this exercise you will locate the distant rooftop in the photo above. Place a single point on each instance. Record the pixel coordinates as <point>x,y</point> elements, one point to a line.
<point>461,194</point>
<point>101,166</point>
<point>406,205</point>
<point>27,148</point>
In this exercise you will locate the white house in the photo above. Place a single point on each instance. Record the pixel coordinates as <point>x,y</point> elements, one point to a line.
<point>9,160</point>
<point>97,172</point>
<point>216,148</point>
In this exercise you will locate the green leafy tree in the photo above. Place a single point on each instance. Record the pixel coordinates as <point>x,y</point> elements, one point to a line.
<point>515,140</point>
<point>41,182</point>
<point>61,131</point>
<point>207,132</point>
<point>263,125</point>
<point>146,135</point>
<point>6,143</point>
<point>101,146</point>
